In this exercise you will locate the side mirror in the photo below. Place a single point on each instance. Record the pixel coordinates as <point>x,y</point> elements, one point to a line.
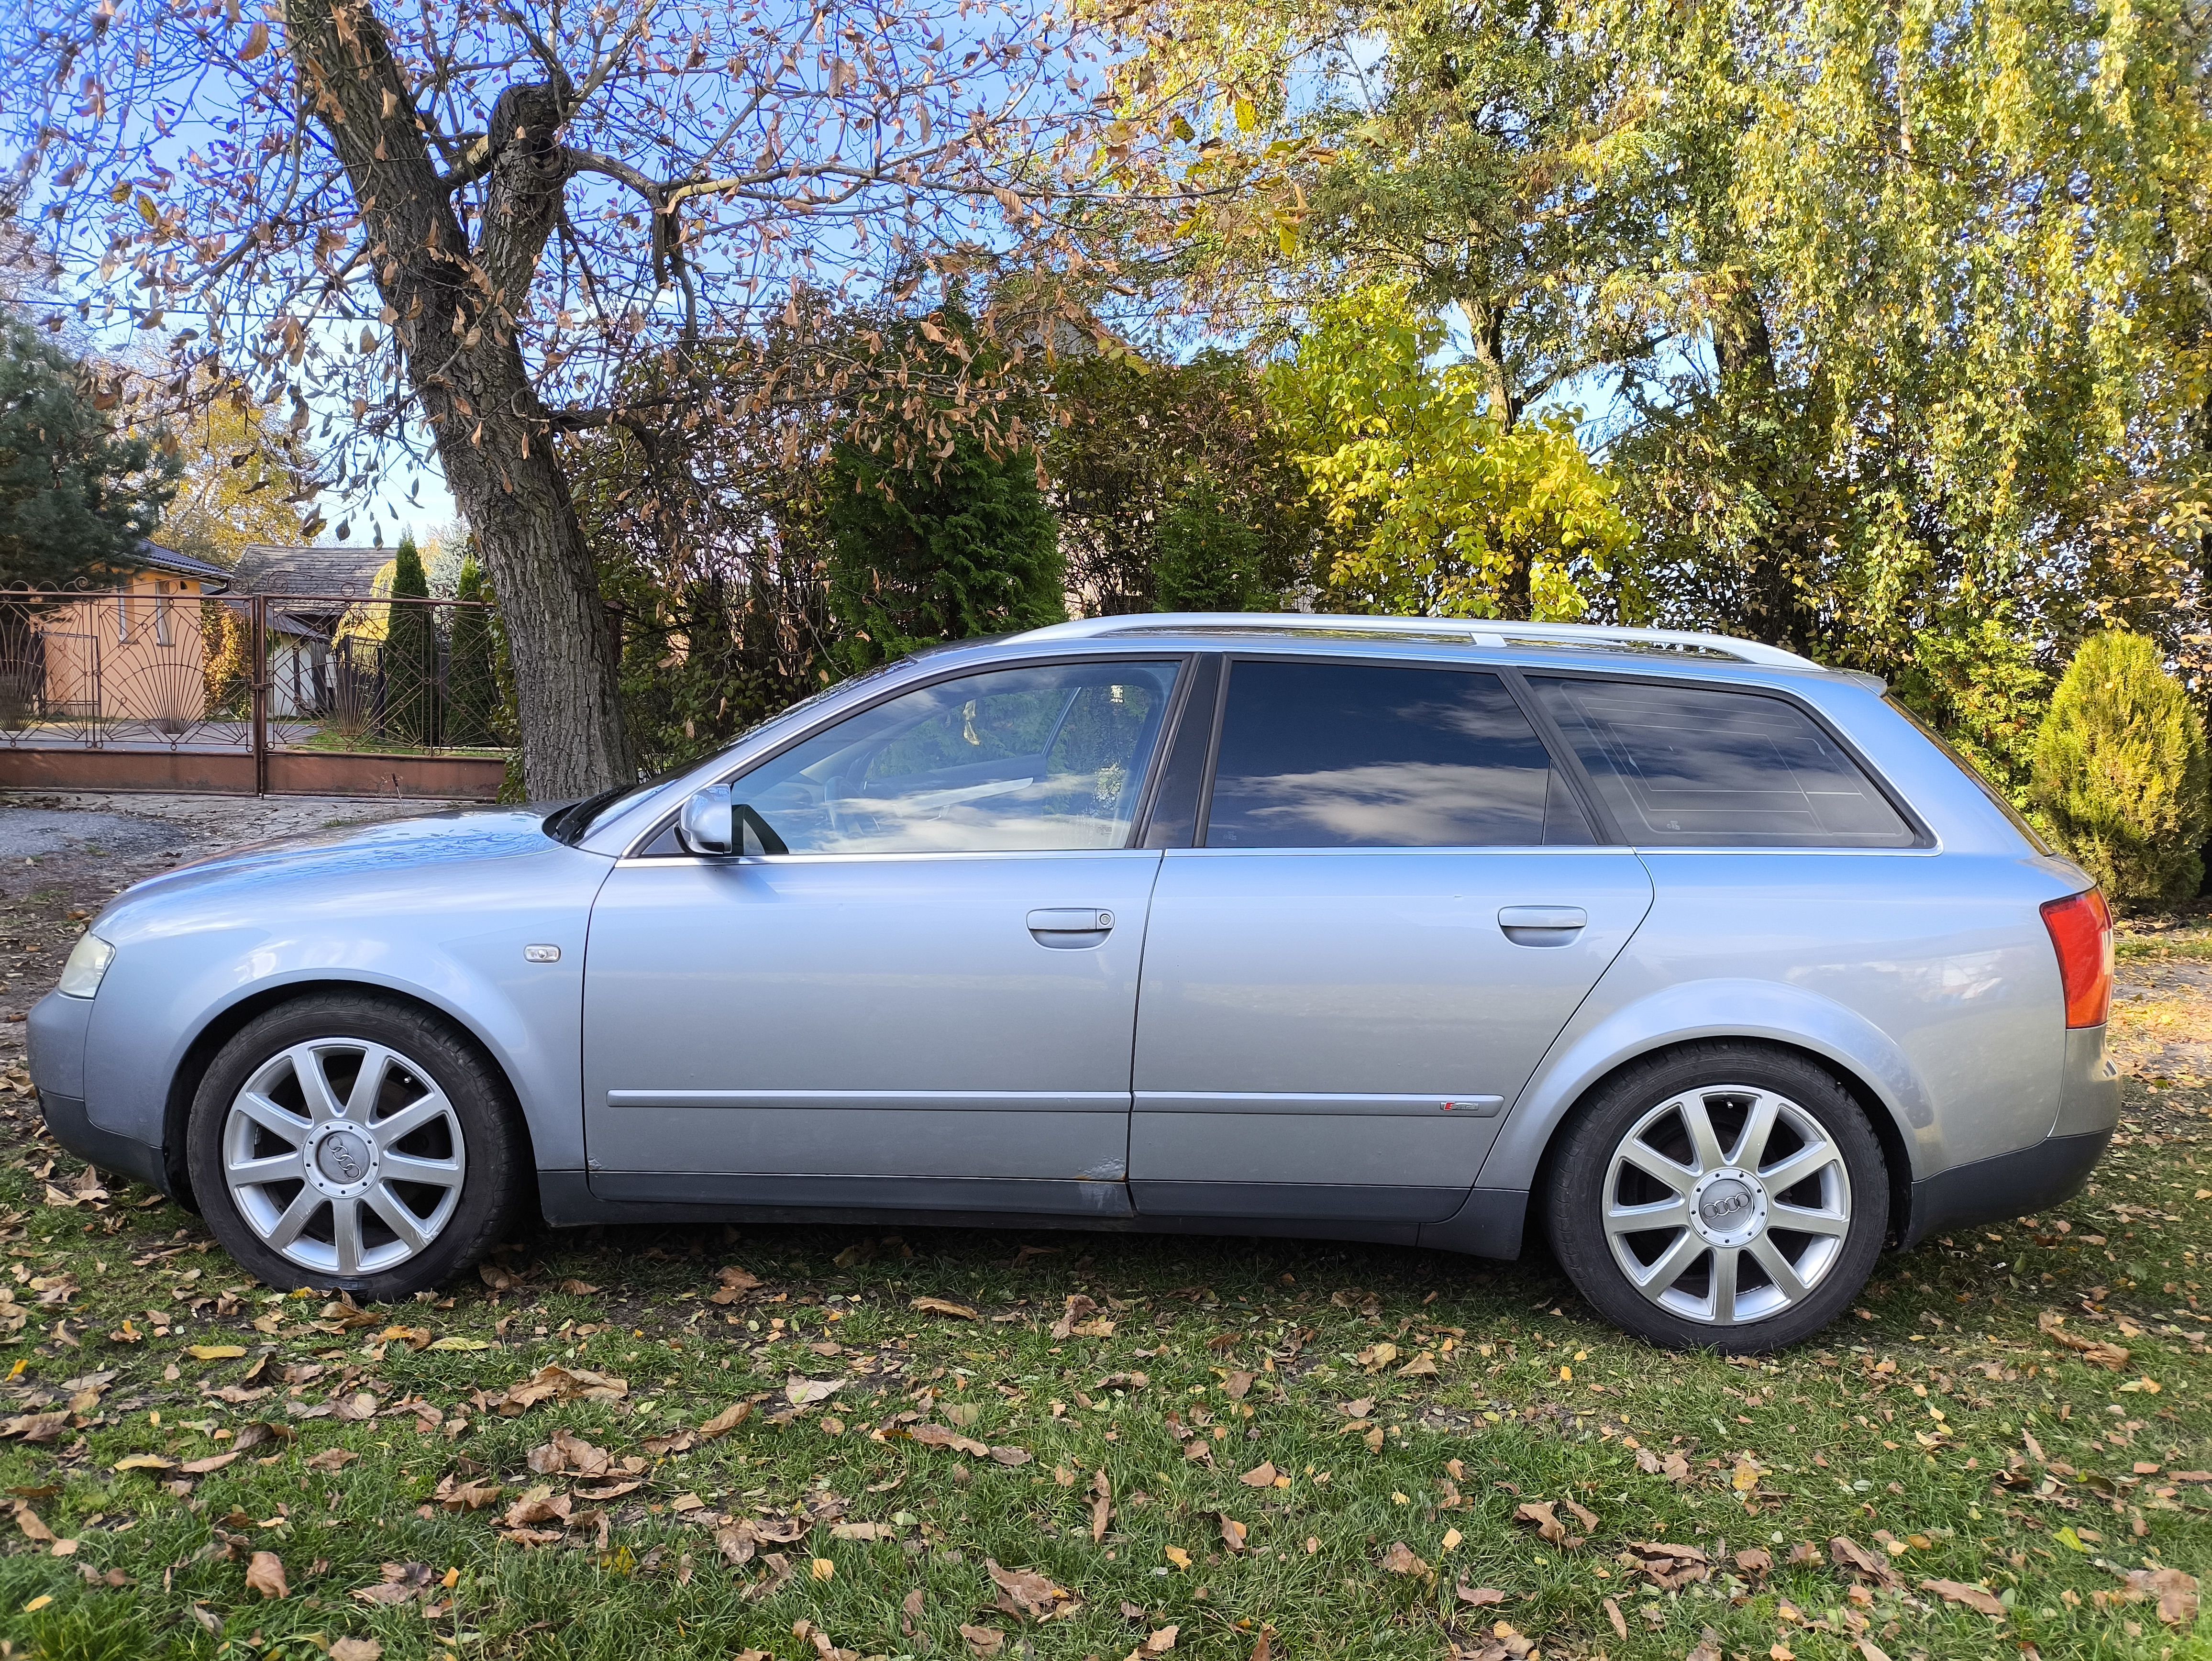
<point>706,824</point>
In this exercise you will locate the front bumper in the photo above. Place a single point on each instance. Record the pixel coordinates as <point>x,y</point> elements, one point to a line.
<point>74,1129</point>
<point>56,1035</point>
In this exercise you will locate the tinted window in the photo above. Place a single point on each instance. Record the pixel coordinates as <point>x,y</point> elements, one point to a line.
<point>1051,756</point>
<point>1690,766</point>
<point>1342,755</point>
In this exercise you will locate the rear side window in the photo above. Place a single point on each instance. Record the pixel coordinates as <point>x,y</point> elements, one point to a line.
<point>1347,755</point>
<point>1687,766</point>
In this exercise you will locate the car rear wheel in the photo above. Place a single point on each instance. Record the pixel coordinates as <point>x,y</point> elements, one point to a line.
<point>345,1142</point>
<point>1720,1195</point>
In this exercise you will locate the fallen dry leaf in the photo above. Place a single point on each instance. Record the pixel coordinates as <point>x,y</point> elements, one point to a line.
<point>2173,1592</point>
<point>1755,1562</point>
<point>1613,1614</point>
<point>1538,1513</point>
<point>1709,1647</point>
<point>1401,1560</point>
<point>944,1307</point>
<point>1233,1533</point>
<point>357,1649</point>
<point>32,1527</point>
<point>1078,1306</point>
<point>937,1436</point>
<point>576,1288</point>
<point>1178,1556</point>
<point>735,1283</point>
<point>215,1351</point>
<point>2097,1353</point>
<point>467,1495</point>
<point>333,1459</point>
<point>1674,1467</point>
<point>265,1574</point>
<point>1480,1596</point>
<point>1847,1553</point>
<point>1024,1593</point>
<point>556,1383</point>
<point>1260,1476</point>
<point>1237,1385</point>
<point>214,1462</point>
<point>1669,1565</point>
<point>1974,1597</point>
<point>983,1641</point>
<point>805,1392</point>
<point>725,1421</point>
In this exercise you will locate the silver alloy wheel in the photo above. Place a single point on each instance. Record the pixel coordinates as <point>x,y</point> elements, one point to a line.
<point>1727,1234</point>
<point>343,1183</point>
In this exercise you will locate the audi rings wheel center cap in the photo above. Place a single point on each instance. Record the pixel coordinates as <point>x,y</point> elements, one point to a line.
<point>344,1158</point>
<point>1728,1208</point>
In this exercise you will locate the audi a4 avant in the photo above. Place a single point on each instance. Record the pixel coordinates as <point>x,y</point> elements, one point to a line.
<point>1706,962</point>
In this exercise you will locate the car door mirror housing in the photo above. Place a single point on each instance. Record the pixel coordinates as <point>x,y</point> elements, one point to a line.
<point>706,825</point>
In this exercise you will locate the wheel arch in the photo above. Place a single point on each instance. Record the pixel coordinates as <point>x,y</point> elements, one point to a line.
<point>228,1022</point>
<point>1896,1156</point>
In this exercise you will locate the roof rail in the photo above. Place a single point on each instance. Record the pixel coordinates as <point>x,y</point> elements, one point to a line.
<point>1476,631</point>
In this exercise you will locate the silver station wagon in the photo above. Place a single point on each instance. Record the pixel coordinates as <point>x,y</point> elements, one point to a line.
<point>1704,963</point>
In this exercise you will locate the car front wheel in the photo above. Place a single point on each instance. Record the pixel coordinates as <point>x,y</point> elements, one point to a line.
<point>1721,1195</point>
<point>348,1143</point>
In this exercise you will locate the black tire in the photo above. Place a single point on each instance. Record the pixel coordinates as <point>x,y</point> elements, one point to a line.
<point>492,1155</point>
<point>1843,1256</point>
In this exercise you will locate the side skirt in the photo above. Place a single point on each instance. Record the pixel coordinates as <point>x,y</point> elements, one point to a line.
<point>1487,1224</point>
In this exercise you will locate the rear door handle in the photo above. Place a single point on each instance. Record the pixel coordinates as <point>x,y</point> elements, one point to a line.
<point>1542,925</point>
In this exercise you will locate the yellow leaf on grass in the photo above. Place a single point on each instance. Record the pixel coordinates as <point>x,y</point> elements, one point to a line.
<point>215,1351</point>
<point>823,1569</point>
<point>37,1603</point>
<point>1179,1557</point>
<point>461,1343</point>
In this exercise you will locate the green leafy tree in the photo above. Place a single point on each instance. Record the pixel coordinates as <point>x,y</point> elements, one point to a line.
<point>1209,558</point>
<point>1437,507</point>
<point>1136,437</point>
<point>472,698</point>
<point>76,497</point>
<point>918,556</point>
<point>2121,772</point>
<point>409,658</point>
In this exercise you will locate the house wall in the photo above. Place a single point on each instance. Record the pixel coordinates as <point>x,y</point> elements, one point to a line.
<point>133,653</point>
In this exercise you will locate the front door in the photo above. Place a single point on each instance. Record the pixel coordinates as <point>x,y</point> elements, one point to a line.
<point>1396,908</point>
<point>928,1001</point>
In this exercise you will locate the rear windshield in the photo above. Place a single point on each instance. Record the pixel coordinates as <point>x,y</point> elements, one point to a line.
<point>1695,766</point>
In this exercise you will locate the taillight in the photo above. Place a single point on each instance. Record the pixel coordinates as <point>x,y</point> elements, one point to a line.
<point>2081,929</point>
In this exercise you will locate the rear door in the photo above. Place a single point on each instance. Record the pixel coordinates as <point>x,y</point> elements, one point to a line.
<point>1395,904</point>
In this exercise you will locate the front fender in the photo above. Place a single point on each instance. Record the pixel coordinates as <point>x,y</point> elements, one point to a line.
<point>1716,1009</point>
<point>450,936</point>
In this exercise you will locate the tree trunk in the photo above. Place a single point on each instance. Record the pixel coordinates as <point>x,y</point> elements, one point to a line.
<point>1774,608</point>
<point>453,309</point>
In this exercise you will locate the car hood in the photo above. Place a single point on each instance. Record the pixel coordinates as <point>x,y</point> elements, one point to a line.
<point>333,857</point>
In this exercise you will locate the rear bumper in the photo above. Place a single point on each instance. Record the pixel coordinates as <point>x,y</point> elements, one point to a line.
<point>2009,1185</point>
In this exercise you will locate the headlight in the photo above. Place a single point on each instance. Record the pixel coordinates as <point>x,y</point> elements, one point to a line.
<point>87,961</point>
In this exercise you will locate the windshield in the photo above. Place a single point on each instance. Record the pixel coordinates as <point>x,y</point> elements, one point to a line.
<point>571,822</point>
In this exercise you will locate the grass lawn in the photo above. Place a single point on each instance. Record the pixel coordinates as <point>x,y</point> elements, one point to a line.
<point>1017,1445</point>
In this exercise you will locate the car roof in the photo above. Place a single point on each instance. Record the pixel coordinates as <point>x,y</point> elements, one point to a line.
<point>1627,649</point>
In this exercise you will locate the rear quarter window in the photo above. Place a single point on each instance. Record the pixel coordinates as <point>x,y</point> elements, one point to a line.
<point>1696,766</point>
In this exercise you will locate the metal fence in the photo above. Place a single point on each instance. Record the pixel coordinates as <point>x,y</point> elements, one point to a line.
<point>267,694</point>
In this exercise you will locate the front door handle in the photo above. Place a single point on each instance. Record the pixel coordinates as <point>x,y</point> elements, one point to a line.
<point>1542,925</point>
<point>1065,926</point>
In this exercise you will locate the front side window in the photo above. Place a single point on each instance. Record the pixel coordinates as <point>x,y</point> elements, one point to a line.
<point>1694,767</point>
<point>1317,754</point>
<point>1051,756</point>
